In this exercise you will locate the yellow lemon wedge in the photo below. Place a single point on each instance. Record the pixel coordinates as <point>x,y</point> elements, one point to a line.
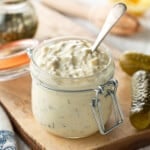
<point>136,7</point>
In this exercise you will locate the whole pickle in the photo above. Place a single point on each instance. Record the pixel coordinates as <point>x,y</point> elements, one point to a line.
<point>131,62</point>
<point>140,108</point>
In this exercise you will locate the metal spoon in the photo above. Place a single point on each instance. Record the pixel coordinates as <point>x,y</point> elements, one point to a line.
<point>113,17</point>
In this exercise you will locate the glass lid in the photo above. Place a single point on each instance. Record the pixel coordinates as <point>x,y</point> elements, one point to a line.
<point>14,59</point>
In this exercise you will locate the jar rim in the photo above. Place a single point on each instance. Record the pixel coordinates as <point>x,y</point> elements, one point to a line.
<point>15,6</point>
<point>9,2</point>
<point>106,49</point>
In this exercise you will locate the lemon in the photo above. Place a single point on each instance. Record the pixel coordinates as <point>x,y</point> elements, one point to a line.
<point>136,7</point>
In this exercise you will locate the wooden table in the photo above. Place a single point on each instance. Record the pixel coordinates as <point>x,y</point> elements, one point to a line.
<point>15,97</point>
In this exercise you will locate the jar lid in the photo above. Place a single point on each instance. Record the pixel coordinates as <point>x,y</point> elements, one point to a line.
<point>14,59</point>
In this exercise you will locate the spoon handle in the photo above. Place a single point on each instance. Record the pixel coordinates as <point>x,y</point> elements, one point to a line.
<point>116,12</point>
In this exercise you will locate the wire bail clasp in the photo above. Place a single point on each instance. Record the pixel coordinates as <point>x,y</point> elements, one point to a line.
<point>107,89</point>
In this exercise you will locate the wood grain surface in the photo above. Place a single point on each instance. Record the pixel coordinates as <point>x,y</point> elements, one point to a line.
<point>16,99</point>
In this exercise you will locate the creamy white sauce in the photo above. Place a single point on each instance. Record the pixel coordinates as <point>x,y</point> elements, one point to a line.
<point>71,58</point>
<point>69,114</point>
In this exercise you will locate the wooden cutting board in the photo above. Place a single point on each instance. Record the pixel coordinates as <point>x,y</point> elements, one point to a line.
<point>16,99</point>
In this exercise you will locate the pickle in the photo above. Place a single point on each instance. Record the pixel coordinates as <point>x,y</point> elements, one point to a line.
<point>131,62</point>
<point>140,107</point>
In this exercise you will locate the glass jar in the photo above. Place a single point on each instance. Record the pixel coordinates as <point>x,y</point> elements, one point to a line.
<point>18,20</point>
<point>74,107</point>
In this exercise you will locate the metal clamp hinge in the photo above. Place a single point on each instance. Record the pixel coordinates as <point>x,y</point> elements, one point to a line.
<point>108,89</point>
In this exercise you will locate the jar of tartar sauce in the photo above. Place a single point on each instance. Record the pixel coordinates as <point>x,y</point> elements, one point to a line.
<point>73,90</point>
